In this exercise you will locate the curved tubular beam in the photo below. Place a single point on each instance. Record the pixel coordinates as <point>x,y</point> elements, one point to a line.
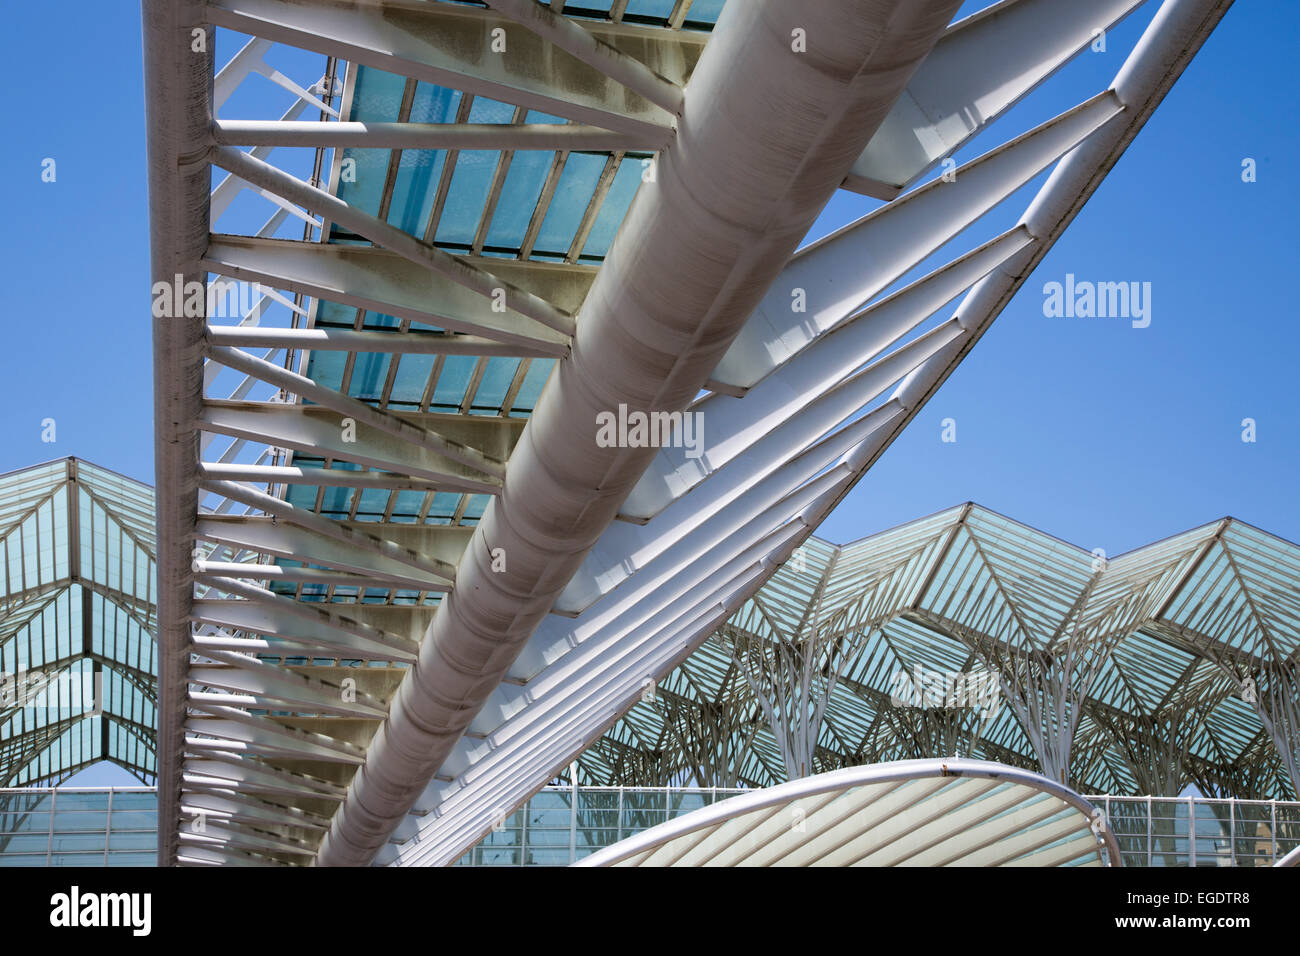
<point>756,818</point>
<point>883,245</point>
<point>626,549</point>
<point>1291,859</point>
<point>1173,37</point>
<point>631,638</point>
<point>729,204</point>
<point>508,771</point>
<point>637,545</point>
<point>982,67</point>
<point>781,399</point>
<point>1176,33</point>
<point>671,575</point>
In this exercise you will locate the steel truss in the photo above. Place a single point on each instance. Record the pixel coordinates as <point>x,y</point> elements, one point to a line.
<point>77,624</point>
<point>1091,686</point>
<point>949,812</point>
<point>344,474</point>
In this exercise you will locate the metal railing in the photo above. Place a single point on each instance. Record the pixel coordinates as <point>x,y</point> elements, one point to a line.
<point>1201,831</point>
<point>79,826</point>
<point>117,826</point>
<point>560,825</point>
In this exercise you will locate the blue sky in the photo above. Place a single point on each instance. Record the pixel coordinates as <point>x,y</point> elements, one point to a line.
<point>1109,436</point>
<point>1101,434</point>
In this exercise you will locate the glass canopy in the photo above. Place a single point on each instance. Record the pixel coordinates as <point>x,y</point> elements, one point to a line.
<point>76,635</point>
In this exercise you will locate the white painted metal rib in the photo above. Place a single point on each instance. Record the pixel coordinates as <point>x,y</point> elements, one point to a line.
<point>729,203</point>
<point>954,812</point>
<point>786,452</point>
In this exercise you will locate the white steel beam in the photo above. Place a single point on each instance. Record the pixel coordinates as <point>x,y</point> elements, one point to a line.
<point>497,773</point>
<point>569,36</point>
<point>728,205</point>
<point>395,342</point>
<point>882,246</point>
<point>272,684</point>
<point>1067,188</point>
<point>358,536</point>
<point>265,536</point>
<point>1175,34</point>
<point>264,175</point>
<point>235,731</point>
<point>446,45</point>
<point>288,426</point>
<point>276,616</point>
<point>215,474</point>
<point>357,135</point>
<point>418,439</point>
<point>386,283</point>
<point>979,69</point>
<point>178,98</point>
<point>251,776</point>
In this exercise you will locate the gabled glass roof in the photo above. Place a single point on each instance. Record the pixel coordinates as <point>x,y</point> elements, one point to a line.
<point>1176,626</point>
<point>77,653</point>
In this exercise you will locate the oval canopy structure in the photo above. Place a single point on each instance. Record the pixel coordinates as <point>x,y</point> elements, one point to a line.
<point>935,812</point>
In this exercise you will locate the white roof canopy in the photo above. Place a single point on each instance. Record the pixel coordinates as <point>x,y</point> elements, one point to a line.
<point>937,812</point>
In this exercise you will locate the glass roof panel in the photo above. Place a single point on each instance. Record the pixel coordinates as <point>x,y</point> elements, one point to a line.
<point>519,195</point>
<point>572,196</point>
<point>498,373</point>
<point>531,390</point>
<point>613,210</point>
<point>470,183</point>
<point>449,394</point>
<point>61,709</point>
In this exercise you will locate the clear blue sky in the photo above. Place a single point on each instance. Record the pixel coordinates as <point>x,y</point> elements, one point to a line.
<point>1109,436</point>
<point>1098,433</point>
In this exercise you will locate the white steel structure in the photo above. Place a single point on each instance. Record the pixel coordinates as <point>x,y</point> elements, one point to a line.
<point>964,632</point>
<point>400,582</point>
<point>77,654</point>
<point>910,813</point>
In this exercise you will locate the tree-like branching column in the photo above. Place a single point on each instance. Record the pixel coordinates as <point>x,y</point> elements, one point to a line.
<point>1048,676</point>
<point>1274,693</point>
<point>712,739</point>
<point>1257,774</point>
<point>1155,747</point>
<point>1243,621</point>
<point>932,731</point>
<point>1046,689</point>
<point>612,763</point>
<point>793,677</point>
<point>1265,681</point>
